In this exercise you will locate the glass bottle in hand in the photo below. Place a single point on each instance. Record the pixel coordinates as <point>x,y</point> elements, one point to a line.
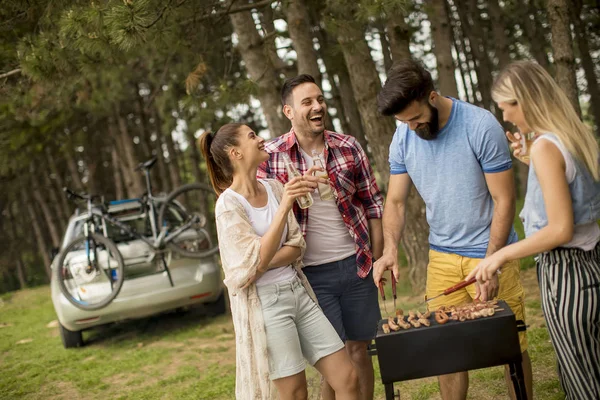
<point>325,191</point>
<point>526,143</point>
<point>303,201</point>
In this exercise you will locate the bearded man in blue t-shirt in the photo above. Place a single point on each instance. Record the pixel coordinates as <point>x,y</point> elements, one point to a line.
<point>457,157</point>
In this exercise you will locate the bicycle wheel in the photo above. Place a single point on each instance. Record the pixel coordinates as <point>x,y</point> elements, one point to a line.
<point>90,272</point>
<point>188,215</point>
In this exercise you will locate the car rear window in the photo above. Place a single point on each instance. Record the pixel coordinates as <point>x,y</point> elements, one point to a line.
<point>134,218</point>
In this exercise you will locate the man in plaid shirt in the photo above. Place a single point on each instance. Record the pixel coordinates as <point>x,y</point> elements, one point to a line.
<point>343,235</point>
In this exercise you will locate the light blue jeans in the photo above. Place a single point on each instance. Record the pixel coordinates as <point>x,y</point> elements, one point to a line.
<point>296,328</point>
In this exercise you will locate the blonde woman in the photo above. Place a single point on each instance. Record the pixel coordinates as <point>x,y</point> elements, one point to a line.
<point>561,208</point>
<point>277,322</point>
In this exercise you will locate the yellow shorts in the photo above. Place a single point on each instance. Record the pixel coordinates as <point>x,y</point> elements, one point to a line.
<point>446,270</point>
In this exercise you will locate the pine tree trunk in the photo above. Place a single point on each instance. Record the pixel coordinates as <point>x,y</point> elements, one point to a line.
<point>261,70</point>
<point>174,172</point>
<point>21,273</point>
<point>129,159</point>
<point>562,47</point>
<point>116,170</point>
<point>171,163</point>
<point>441,33</point>
<point>166,186</point>
<point>460,50</point>
<point>500,37</point>
<point>587,62</point>
<point>267,22</point>
<point>55,203</point>
<point>472,29</point>
<point>39,237</point>
<point>145,139</point>
<point>534,33</point>
<point>415,241</point>
<point>59,183</point>
<point>124,170</point>
<point>385,47</point>
<point>335,66</point>
<point>299,29</point>
<point>143,134</point>
<point>15,249</point>
<point>351,107</point>
<point>92,183</point>
<point>465,50</point>
<point>44,206</point>
<point>195,156</point>
<point>399,37</point>
<point>77,185</point>
<point>366,84</point>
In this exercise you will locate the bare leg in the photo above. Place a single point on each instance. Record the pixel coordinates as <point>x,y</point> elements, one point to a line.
<point>292,387</point>
<point>454,386</point>
<point>363,364</point>
<point>528,375</point>
<point>338,371</point>
<point>327,392</point>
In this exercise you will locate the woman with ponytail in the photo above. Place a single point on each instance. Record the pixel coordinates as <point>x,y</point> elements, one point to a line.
<point>562,206</point>
<point>277,321</point>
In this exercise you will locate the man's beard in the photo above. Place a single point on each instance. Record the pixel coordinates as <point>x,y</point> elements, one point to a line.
<point>429,130</point>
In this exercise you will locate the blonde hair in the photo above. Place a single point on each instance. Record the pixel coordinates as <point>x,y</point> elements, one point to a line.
<point>547,109</point>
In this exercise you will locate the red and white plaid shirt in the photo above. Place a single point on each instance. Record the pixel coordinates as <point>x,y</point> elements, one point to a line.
<point>357,196</point>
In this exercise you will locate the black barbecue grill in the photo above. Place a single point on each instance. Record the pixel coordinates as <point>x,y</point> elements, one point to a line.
<point>452,347</point>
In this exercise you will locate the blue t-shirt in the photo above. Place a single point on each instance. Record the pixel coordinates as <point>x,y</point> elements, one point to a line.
<point>449,172</point>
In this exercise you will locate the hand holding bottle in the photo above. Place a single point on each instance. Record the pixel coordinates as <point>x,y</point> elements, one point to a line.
<point>518,146</point>
<point>304,200</point>
<point>325,191</point>
<point>296,188</point>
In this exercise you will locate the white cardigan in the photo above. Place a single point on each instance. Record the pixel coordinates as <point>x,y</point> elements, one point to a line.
<point>239,246</point>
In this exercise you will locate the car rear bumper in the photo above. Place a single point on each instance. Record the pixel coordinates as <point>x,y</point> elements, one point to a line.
<point>144,296</point>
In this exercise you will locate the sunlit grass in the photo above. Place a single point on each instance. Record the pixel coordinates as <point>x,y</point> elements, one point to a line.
<point>190,356</point>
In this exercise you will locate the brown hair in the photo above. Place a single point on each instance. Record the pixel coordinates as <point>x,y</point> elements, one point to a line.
<point>214,148</point>
<point>406,82</point>
<point>290,84</point>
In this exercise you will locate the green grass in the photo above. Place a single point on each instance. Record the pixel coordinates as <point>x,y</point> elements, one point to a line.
<point>188,356</point>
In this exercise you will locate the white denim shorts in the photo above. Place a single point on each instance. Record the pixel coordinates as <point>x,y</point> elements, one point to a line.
<point>296,328</point>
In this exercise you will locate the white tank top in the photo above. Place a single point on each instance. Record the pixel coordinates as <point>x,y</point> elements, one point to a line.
<point>585,236</point>
<point>261,219</point>
<point>327,237</point>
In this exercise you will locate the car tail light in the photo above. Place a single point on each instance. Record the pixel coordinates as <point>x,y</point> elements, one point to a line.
<point>199,296</point>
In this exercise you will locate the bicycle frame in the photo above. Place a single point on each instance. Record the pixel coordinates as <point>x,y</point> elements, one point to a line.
<point>159,235</point>
<point>158,239</point>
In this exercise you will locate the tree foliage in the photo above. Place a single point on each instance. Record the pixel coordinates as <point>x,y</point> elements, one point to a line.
<point>90,88</point>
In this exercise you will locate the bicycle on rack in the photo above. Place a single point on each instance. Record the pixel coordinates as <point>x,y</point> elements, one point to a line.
<point>91,270</point>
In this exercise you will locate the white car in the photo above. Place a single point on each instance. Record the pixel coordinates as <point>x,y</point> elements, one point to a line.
<point>147,289</point>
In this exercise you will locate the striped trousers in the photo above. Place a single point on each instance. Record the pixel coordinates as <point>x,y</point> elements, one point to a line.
<point>569,282</point>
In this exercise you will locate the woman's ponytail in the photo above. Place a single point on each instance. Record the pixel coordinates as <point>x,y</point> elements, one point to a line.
<point>214,148</point>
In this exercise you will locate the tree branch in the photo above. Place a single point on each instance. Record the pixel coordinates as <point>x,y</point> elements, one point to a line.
<point>232,10</point>
<point>9,73</point>
<point>246,7</point>
<point>158,18</point>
